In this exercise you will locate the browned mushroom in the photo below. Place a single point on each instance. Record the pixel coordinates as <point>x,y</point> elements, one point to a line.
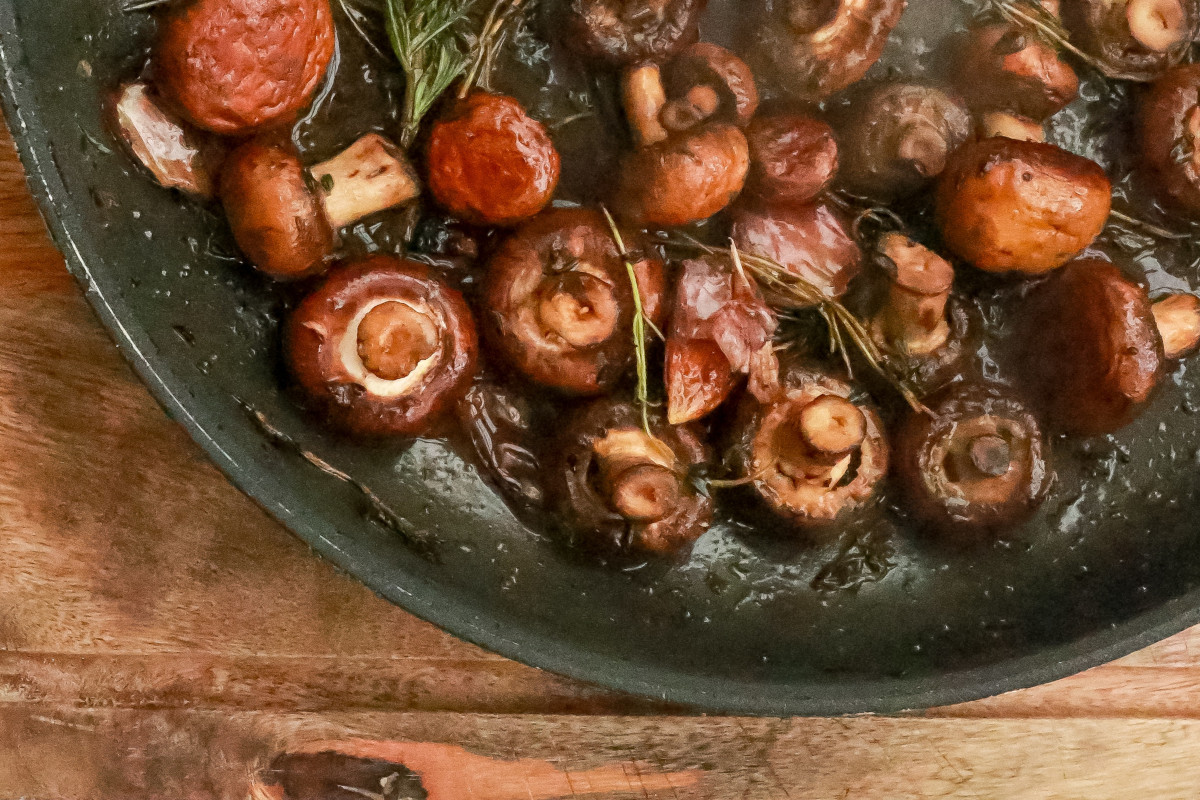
<point>178,155</point>
<point>812,454</point>
<point>621,33</point>
<point>708,82</point>
<point>1007,205</point>
<point>1169,131</point>
<point>284,217</point>
<point>490,163</point>
<point>793,158</point>
<point>625,490</point>
<point>505,427</point>
<point>810,241</point>
<point>684,179</point>
<point>896,137</point>
<point>976,464</point>
<point>1133,39</point>
<point>913,318</point>
<point>382,347</point>
<point>1089,351</point>
<point>560,305</point>
<point>1006,68</point>
<point>812,48</point>
<point>236,66</point>
<point>720,328</point>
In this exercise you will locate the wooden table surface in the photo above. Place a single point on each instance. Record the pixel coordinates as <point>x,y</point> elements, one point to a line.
<point>160,636</point>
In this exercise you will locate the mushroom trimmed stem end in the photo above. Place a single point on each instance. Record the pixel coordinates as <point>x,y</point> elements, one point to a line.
<point>1159,25</point>
<point>1177,317</point>
<point>831,427</point>
<point>913,319</point>
<point>370,175</point>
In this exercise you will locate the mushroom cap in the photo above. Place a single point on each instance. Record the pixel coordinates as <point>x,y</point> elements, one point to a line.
<point>808,54</point>
<point>793,157</point>
<point>1088,350</point>
<point>685,179</point>
<point>621,33</point>
<point>568,254</point>
<point>276,218</point>
<point>1009,205</point>
<point>322,345</point>
<point>1101,29</point>
<point>1168,127</point>
<point>584,504</point>
<point>707,64</point>
<point>490,163</point>
<point>897,137</point>
<point>955,490</point>
<point>1007,68</point>
<point>234,66</point>
<point>503,425</point>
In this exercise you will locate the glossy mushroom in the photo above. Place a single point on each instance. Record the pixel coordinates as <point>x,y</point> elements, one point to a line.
<point>793,157</point>
<point>285,217</point>
<point>976,464</point>
<point>708,82</point>
<point>810,241</point>
<point>721,329</point>
<point>382,347</point>
<point>1168,133</point>
<point>178,155</point>
<point>490,163</point>
<point>560,305</point>
<point>1017,206</point>
<point>810,49</point>
<point>913,318</point>
<point>812,454</point>
<point>621,489</point>
<point>236,66</point>
<point>1133,39</point>
<point>1006,68</point>
<point>620,33</point>
<point>504,427</point>
<point>896,137</point>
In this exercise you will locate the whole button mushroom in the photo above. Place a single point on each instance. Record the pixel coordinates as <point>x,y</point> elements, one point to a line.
<point>1017,206</point>
<point>619,33</point>
<point>1006,68</point>
<point>809,241</point>
<point>383,347</point>
<point>708,82</point>
<point>810,49</point>
<point>624,490</point>
<point>1169,130</point>
<point>896,137</point>
<point>1133,39</point>
<point>560,305</point>
<point>235,66</point>
<point>490,163</point>
<point>285,217</point>
<point>976,464</point>
<point>793,158</point>
<point>812,454</point>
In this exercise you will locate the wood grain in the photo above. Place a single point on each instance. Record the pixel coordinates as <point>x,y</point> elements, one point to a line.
<point>160,635</point>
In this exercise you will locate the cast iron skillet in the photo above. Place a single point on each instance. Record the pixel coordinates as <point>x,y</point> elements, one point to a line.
<point>1110,566</point>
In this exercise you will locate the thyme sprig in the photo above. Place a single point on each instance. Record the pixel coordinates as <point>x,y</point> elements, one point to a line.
<point>492,34</point>
<point>845,329</point>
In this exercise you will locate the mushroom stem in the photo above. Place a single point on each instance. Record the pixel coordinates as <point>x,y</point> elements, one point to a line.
<point>644,98</point>
<point>370,175</point>
<point>394,338</point>
<point>644,493</point>
<point>990,455</point>
<point>1011,126</point>
<point>171,149</point>
<point>913,320</point>
<point>1159,25</point>
<point>925,147</point>
<point>830,428</point>
<point>1177,317</point>
<point>700,103</point>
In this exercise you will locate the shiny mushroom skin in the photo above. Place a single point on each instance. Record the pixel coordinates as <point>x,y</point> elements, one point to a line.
<point>1168,135</point>
<point>793,157</point>
<point>1006,68</point>
<point>620,33</point>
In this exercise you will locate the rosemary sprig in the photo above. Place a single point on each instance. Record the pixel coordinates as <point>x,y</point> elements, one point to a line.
<point>1031,15</point>
<point>640,325</point>
<point>1147,227</point>
<point>844,328</point>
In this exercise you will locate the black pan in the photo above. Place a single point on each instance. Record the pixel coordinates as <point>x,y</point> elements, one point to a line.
<point>1110,565</point>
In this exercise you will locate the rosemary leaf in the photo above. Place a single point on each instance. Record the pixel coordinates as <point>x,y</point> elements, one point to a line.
<point>640,326</point>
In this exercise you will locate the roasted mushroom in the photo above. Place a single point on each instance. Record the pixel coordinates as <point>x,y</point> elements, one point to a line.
<point>1008,205</point>
<point>1006,68</point>
<point>1169,131</point>
<point>810,241</point>
<point>793,158</point>
<point>685,179</point>
<point>560,305</point>
<point>382,347</point>
<point>504,427</point>
<point>1133,39</point>
<point>976,464</point>
<point>720,328</point>
<point>708,82</point>
<point>236,66</point>
<point>285,217</point>
<point>810,49</point>
<point>490,163</point>
<point>620,33</point>
<point>896,137</point>
<point>1088,348</point>
<point>178,155</point>
<point>812,454</point>
<point>625,490</point>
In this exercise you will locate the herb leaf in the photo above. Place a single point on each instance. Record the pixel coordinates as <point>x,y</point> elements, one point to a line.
<point>640,325</point>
